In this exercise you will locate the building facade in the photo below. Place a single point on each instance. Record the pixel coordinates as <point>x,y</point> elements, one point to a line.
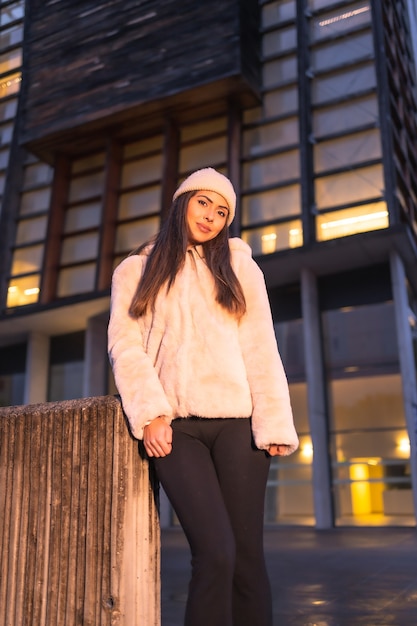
<point>310,107</point>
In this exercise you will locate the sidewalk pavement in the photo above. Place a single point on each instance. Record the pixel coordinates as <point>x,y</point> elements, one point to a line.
<point>338,577</point>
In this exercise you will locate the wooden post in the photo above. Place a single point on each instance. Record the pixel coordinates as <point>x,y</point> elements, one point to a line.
<point>79,530</point>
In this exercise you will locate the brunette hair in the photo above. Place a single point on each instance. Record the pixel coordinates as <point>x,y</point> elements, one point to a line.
<point>167,257</point>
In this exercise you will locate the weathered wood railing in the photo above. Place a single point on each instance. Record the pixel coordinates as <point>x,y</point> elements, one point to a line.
<point>79,531</point>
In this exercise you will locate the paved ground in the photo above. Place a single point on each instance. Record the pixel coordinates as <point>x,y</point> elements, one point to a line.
<point>342,577</point>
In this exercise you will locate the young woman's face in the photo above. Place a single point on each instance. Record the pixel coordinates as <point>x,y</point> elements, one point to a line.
<point>206,216</point>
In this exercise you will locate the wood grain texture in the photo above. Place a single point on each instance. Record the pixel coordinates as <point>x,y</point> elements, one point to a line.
<point>99,62</point>
<point>79,542</point>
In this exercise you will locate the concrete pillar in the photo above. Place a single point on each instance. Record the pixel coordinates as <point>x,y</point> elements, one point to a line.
<point>406,358</point>
<point>316,398</point>
<point>37,369</point>
<point>96,361</point>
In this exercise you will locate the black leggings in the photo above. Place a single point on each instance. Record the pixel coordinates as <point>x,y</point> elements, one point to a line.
<point>215,478</point>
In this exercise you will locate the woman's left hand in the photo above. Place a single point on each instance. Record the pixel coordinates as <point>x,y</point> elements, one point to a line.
<point>278,449</point>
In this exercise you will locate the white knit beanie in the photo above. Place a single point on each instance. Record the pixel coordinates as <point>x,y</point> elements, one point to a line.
<point>210,180</point>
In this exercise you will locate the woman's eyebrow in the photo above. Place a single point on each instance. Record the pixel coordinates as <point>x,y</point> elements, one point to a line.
<point>211,202</point>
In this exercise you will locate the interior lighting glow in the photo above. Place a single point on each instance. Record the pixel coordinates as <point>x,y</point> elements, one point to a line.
<point>354,220</point>
<point>295,238</point>
<point>269,243</point>
<point>343,16</point>
<point>404,445</point>
<point>307,450</point>
<point>8,83</point>
<point>31,292</point>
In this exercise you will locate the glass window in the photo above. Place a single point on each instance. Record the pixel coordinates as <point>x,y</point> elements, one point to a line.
<point>66,369</point>
<point>82,217</point>
<point>206,128</point>
<point>370,447</point>
<point>86,187</point>
<point>23,291</point>
<point>289,497</point>
<point>278,41</point>
<point>275,237</point>
<point>348,150</point>
<point>11,36</point>
<point>31,230</point>
<point>4,158</point>
<point>37,174</point>
<point>343,84</point>
<point>66,381</point>
<point>279,71</point>
<point>280,102</point>
<point>12,374</point>
<point>203,154</point>
<point>340,20</point>
<point>359,219</point>
<point>74,280</point>
<point>27,260</point>
<point>90,162</point>
<point>8,109</point>
<point>270,205</point>
<point>142,171</point>
<point>12,12</point>
<point>339,52</point>
<point>6,132</point>
<point>79,248</point>
<point>10,84</point>
<point>144,146</point>
<point>133,234</point>
<point>279,11</point>
<point>269,136</point>
<point>141,202</point>
<point>349,187</point>
<point>10,60</point>
<point>35,201</point>
<point>345,116</point>
<point>271,170</point>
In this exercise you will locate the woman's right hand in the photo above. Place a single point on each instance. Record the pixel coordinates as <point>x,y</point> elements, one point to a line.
<point>157,437</point>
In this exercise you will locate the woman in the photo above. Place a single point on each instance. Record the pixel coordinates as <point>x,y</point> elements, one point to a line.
<point>194,355</point>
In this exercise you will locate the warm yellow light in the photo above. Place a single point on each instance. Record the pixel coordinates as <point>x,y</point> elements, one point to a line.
<point>355,219</point>
<point>344,16</point>
<point>269,243</point>
<point>404,445</point>
<point>12,289</point>
<point>31,292</point>
<point>296,239</point>
<point>307,449</point>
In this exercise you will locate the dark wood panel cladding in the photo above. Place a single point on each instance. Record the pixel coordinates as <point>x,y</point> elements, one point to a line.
<point>95,63</point>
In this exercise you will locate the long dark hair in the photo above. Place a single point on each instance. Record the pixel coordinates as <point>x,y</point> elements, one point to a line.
<point>167,257</point>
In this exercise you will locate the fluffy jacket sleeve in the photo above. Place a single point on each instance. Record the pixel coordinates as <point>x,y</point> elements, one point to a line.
<point>272,419</point>
<point>136,379</point>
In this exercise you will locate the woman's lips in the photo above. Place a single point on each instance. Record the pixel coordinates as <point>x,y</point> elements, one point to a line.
<point>203,228</point>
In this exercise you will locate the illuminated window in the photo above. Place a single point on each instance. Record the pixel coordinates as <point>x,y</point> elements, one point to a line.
<point>275,237</point>
<point>23,290</point>
<point>339,20</point>
<point>24,284</point>
<point>10,84</point>
<point>351,221</point>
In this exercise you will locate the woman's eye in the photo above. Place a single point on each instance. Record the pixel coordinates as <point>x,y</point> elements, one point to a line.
<point>203,202</point>
<point>222,213</point>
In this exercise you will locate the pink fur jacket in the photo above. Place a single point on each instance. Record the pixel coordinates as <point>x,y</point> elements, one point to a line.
<point>190,357</point>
